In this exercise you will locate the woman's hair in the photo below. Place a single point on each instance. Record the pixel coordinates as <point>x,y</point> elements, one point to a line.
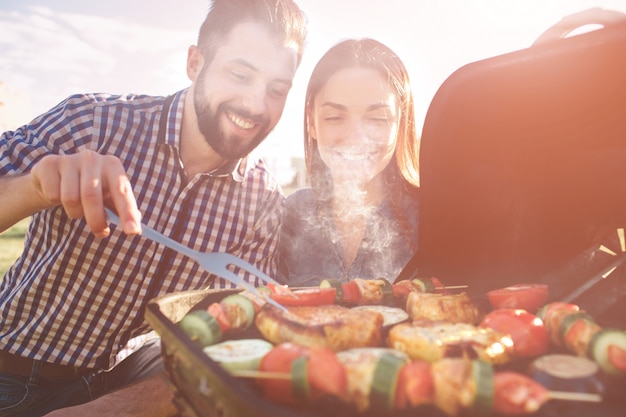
<point>283,18</point>
<point>365,53</point>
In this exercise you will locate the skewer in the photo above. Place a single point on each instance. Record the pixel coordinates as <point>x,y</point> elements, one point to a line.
<point>260,374</point>
<point>574,396</point>
<point>452,287</point>
<point>553,395</point>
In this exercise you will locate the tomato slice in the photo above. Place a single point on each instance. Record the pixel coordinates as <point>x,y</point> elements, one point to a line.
<point>528,332</point>
<point>326,374</point>
<point>217,311</point>
<point>525,296</point>
<point>517,394</point>
<point>414,386</point>
<point>279,359</point>
<point>617,357</point>
<point>351,293</point>
<point>306,297</point>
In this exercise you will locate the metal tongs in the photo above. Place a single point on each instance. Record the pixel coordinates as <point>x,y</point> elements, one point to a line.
<point>214,262</point>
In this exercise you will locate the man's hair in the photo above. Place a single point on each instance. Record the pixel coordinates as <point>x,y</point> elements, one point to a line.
<point>283,19</point>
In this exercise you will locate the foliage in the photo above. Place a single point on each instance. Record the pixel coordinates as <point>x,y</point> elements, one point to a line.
<point>11,245</point>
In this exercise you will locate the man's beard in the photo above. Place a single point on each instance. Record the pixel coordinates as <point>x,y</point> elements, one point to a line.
<point>228,147</point>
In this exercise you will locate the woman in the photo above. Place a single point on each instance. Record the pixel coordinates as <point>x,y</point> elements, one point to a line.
<point>359,217</point>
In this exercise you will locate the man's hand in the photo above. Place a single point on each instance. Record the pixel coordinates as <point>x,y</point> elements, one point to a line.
<point>82,183</point>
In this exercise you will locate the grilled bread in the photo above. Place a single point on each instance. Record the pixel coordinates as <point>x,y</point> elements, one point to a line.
<point>434,340</point>
<point>453,308</point>
<point>332,326</point>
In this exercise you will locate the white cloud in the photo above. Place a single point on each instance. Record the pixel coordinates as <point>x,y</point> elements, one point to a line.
<point>51,55</point>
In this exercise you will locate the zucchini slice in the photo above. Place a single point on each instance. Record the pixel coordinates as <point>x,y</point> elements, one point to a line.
<point>336,284</point>
<point>387,290</point>
<point>237,355</point>
<point>201,327</point>
<point>600,348</point>
<point>425,284</point>
<point>299,382</point>
<point>246,305</point>
<point>382,394</point>
<point>482,374</point>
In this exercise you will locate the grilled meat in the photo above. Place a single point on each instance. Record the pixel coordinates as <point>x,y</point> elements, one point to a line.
<point>332,326</point>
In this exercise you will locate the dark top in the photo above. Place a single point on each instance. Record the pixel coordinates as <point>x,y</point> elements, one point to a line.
<point>308,249</point>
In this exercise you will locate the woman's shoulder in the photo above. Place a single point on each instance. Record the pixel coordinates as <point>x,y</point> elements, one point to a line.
<point>300,208</point>
<point>300,198</point>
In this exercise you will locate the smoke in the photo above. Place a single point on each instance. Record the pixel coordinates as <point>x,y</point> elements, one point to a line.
<point>357,218</point>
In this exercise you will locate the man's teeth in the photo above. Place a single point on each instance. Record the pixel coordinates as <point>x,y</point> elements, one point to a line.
<point>242,123</point>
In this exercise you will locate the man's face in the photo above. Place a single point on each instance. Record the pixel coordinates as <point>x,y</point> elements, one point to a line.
<point>240,95</point>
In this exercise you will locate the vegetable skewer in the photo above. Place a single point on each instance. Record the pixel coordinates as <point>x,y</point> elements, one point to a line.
<point>384,380</point>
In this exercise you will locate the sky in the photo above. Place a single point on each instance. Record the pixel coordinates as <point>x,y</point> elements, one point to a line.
<point>50,49</point>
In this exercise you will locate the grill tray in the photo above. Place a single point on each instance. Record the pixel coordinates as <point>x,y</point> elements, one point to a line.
<point>203,389</point>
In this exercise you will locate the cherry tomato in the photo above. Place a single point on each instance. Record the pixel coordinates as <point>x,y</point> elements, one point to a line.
<point>325,373</point>
<point>306,297</point>
<point>617,357</point>
<point>351,294</point>
<point>415,385</point>
<point>529,335</point>
<point>517,394</point>
<point>216,311</point>
<point>279,359</point>
<point>525,296</point>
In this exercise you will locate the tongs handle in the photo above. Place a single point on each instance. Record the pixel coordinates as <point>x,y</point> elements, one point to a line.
<point>153,235</point>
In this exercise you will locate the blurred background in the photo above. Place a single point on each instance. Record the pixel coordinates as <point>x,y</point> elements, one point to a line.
<point>50,49</point>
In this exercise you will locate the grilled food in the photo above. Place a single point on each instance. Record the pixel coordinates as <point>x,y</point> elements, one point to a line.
<point>332,326</point>
<point>575,330</point>
<point>434,340</point>
<point>361,365</point>
<point>382,381</point>
<point>454,308</point>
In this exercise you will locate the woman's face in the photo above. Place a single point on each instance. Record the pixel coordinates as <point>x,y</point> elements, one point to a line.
<point>354,119</point>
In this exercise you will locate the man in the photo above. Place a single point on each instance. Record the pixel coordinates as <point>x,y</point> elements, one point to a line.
<point>179,164</point>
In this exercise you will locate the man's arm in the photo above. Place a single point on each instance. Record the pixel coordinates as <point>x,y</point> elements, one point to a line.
<point>80,182</point>
<point>151,397</point>
<point>18,200</point>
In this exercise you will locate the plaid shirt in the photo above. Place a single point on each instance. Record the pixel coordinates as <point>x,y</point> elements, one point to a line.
<point>72,298</point>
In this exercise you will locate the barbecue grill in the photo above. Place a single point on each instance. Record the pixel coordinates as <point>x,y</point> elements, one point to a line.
<point>523,161</point>
<point>523,168</point>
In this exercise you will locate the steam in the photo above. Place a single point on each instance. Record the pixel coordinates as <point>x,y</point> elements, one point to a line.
<point>353,206</point>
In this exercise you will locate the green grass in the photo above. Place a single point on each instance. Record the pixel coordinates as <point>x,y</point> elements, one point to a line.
<point>11,245</point>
